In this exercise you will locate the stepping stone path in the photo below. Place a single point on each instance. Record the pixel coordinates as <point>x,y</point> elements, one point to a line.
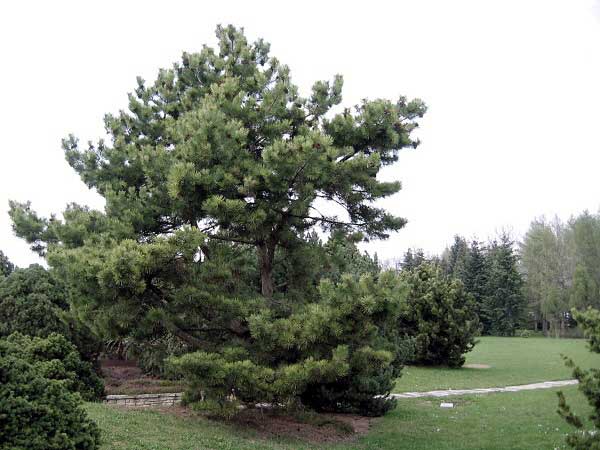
<point>522,387</point>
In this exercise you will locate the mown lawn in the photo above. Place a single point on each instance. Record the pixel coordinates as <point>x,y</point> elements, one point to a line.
<point>523,420</point>
<point>511,360</point>
<point>502,421</point>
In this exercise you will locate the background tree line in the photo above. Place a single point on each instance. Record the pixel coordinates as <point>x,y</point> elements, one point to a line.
<point>489,274</point>
<point>561,264</point>
<point>528,285</point>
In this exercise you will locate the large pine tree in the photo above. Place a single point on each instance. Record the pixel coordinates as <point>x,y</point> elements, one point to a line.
<point>218,161</point>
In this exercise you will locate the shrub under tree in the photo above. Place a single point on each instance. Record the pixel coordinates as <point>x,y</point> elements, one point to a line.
<point>351,353</point>
<point>34,315</point>
<point>439,314</point>
<point>34,302</point>
<point>38,413</point>
<point>56,358</point>
<point>35,280</point>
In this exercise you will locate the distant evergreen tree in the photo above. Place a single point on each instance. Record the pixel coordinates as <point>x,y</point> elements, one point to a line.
<point>454,258</point>
<point>413,259</point>
<point>475,278</point>
<point>505,303</point>
<point>6,267</point>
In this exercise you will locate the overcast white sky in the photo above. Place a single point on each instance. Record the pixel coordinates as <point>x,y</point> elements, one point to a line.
<point>513,89</point>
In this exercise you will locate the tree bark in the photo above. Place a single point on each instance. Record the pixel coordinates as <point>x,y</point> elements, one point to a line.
<point>545,327</point>
<point>189,339</point>
<point>266,253</point>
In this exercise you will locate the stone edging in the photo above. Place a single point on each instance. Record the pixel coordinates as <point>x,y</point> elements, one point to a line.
<point>144,400</point>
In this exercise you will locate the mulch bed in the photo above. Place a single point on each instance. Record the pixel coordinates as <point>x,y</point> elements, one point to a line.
<point>321,428</point>
<point>125,377</point>
<point>267,424</point>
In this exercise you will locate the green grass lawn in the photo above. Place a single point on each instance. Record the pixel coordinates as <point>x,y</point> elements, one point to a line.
<point>124,429</point>
<point>523,420</point>
<point>511,360</point>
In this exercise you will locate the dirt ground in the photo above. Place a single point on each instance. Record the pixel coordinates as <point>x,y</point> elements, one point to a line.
<point>124,377</point>
<point>319,428</point>
<point>312,428</point>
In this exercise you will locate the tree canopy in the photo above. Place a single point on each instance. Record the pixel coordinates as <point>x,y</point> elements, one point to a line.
<point>223,143</point>
<point>560,261</point>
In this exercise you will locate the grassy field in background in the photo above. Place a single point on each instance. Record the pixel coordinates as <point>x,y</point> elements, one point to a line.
<point>522,420</point>
<point>512,361</point>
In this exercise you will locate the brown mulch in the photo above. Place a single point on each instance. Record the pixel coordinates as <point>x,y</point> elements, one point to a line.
<point>311,428</point>
<point>315,429</point>
<point>125,377</point>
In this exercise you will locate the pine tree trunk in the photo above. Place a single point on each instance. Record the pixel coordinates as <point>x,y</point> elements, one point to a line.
<point>266,253</point>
